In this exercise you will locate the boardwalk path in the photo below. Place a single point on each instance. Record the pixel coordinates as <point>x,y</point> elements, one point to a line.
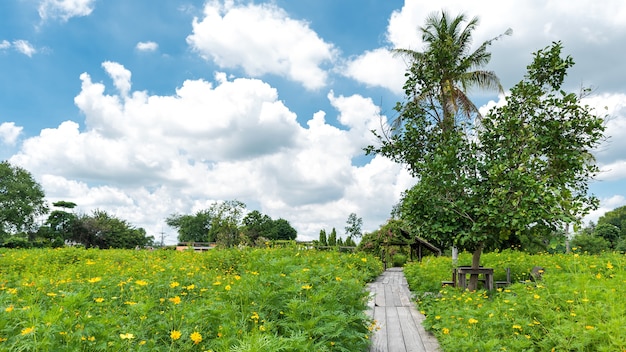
<point>395,313</point>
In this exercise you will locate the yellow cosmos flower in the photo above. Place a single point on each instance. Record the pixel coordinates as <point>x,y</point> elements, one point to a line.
<point>27,331</point>
<point>127,336</point>
<point>175,335</point>
<point>99,300</point>
<point>93,280</point>
<point>9,309</point>
<point>175,300</point>
<point>609,265</point>
<point>445,331</point>
<point>472,321</point>
<point>227,288</point>
<point>141,282</point>
<point>338,278</point>
<point>196,337</point>
<point>307,287</point>
<point>174,284</point>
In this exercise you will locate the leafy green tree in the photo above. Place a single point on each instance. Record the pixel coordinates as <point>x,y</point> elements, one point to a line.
<point>609,232</point>
<point>103,230</point>
<point>21,200</point>
<point>447,68</point>
<point>616,217</point>
<point>257,225</point>
<point>282,230</point>
<point>353,226</point>
<point>226,220</point>
<point>191,228</point>
<point>323,241</point>
<point>590,243</point>
<point>332,238</point>
<point>349,242</point>
<point>523,169</point>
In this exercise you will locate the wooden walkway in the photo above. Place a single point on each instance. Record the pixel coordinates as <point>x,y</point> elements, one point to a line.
<point>399,324</point>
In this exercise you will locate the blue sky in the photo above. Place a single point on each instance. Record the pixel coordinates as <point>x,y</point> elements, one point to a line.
<point>146,110</point>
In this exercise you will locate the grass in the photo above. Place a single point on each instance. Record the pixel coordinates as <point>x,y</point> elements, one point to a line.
<point>222,300</point>
<point>579,305</point>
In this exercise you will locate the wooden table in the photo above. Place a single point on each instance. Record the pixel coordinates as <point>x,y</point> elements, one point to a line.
<point>486,273</point>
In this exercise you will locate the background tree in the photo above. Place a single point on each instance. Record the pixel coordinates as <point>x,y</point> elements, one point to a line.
<point>353,226</point>
<point>256,225</point>
<point>332,238</point>
<point>60,222</point>
<point>282,230</point>
<point>225,222</point>
<point>103,230</point>
<point>616,217</point>
<point>323,240</point>
<point>609,232</point>
<point>191,228</point>
<point>21,200</point>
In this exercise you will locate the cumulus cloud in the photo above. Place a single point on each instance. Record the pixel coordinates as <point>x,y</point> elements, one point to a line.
<point>9,133</point>
<point>65,9</point>
<point>146,156</point>
<point>147,46</point>
<point>606,204</point>
<point>261,39</point>
<point>4,44</point>
<point>378,67</point>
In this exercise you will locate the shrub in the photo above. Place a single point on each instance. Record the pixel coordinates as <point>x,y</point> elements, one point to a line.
<point>399,259</point>
<point>590,243</point>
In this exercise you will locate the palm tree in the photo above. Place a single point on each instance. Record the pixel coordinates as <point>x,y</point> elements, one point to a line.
<point>452,68</point>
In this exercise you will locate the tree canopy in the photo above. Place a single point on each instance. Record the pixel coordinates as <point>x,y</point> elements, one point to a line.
<point>523,168</point>
<point>21,200</point>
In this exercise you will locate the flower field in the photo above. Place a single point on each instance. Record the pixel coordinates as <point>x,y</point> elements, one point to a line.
<point>222,300</point>
<point>579,304</point>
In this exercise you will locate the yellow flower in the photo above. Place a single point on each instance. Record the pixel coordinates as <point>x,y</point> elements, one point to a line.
<point>51,294</point>
<point>9,308</point>
<point>518,327</point>
<point>261,328</point>
<point>589,327</point>
<point>190,287</point>
<point>598,276</point>
<point>445,331</point>
<point>227,287</point>
<point>99,300</point>
<point>307,287</point>
<point>127,336</point>
<point>27,331</point>
<point>536,296</point>
<point>364,260</point>
<point>217,283</point>
<point>141,282</point>
<point>472,321</point>
<point>91,338</point>
<point>175,300</point>
<point>2,339</point>
<point>93,280</point>
<point>142,342</point>
<point>338,278</point>
<point>609,265</point>
<point>175,335</point>
<point>196,337</point>
<point>174,284</point>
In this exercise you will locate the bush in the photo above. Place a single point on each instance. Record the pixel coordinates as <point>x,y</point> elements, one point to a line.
<point>590,243</point>
<point>399,260</point>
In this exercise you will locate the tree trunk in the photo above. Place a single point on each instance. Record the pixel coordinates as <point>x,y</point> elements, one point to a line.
<point>455,255</point>
<point>473,284</point>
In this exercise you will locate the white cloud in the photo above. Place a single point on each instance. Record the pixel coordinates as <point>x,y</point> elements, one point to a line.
<point>606,204</point>
<point>24,47</point>
<point>147,46</point>
<point>9,133</point>
<point>5,44</point>
<point>65,9</point>
<point>120,75</point>
<point>261,39</point>
<point>378,67</point>
<point>144,156</point>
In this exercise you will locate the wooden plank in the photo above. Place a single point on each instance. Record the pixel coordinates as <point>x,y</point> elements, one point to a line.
<point>379,339</point>
<point>412,337</point>
<point>395,339</point>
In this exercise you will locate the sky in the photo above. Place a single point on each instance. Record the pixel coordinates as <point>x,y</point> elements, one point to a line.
<point>146,109</point>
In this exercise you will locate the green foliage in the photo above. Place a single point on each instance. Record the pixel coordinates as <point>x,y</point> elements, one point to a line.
<point>256,225</point>
<point>103,230</point>
<point>322,240</point>
<point>575,307</point>
<point>609,232</point>
<point>21,200</point>
<point>332,238</point>
<point>235,300</point>
<point>191,228</point>
<point>282,230</point>
<point>399,260</point>
<point>353,226</point>
<point>522,174</point>
<point>591,243</point>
